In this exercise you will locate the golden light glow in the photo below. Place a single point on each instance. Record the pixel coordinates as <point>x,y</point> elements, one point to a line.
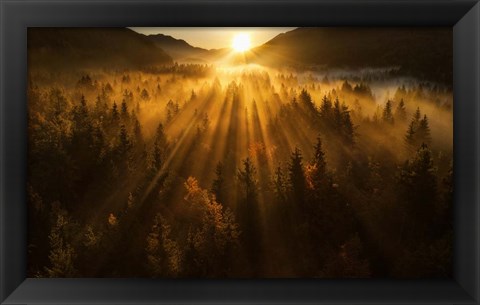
<point>241,42</point>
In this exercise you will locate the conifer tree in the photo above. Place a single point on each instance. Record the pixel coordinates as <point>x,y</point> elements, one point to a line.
<point>137,131</point>
<point>218,184</point>
<point>418,185</point>
<point>247,178</point>
<point>326,108</point>
<point>280,185</point>
<point>401,111</point>
<point>125,144</point>
<point>62,254</point>
<point>423,131</point>
<point>387,115</point>
<point>81,115</point>
<point>306,99</point>
<point>346,87</point>
<point>159,148</point>
<point>144,95</point>
<point>156,158</point>
<point>115,114</point>
<point>160,136</point>
<point>418,132</point>
<point>347,126</point>
<point>417,116</point>
<point>82,132</point>
<point>163,253</point>
<point>124,112</point>
<point>410,135</point>
<point>296,176</point>
<point>320,178</point>
<point>337,115</point>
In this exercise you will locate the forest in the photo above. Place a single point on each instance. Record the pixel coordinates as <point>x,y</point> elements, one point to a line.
<point>241,171</point>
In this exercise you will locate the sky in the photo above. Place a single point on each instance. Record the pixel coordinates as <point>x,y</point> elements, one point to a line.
<point>215,37</point>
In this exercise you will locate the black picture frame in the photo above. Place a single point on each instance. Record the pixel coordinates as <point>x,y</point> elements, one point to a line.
<point>16,16</point>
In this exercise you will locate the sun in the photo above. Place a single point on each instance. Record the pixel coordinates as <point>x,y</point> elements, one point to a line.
<point>241,42</point>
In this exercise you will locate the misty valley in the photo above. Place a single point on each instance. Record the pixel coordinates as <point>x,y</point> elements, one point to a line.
<point>230,164</point>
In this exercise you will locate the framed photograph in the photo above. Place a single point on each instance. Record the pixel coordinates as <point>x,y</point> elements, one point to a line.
<point>198,152</point>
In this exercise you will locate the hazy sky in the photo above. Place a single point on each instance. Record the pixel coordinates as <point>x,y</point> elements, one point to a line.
<point>215,37</point>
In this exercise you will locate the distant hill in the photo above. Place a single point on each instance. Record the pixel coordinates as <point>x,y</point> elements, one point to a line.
<point>116,48</point>
<point>420,52</point>
<point>182,51</point>
<point>176,48</point>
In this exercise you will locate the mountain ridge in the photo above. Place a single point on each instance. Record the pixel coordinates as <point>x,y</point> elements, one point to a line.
<point>116,48</point>
<point>420,52</point>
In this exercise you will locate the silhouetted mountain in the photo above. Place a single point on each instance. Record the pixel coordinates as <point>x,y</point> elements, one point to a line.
<point>176,48</point>
<point>180,50</point>
<point>217,54</point>
<point>421,52</point>
<point>116,48</point>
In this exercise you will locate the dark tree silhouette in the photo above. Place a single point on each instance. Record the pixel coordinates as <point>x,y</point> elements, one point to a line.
<point>218,184</point>
<point>280,185</point>
<point>401,111</point>
<point>248,180</point>
<point>296,177</point>
<point>387,114</point>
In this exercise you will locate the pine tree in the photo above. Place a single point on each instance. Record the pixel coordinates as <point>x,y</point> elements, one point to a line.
<point>319,157</point>
<point>346,87</point>
<point>417,116</point>
<point>81,115</point>
<point>160,137</point>
<point>144,95</point>
<point>168,115</point>
<point>400,93</point>
<point>296,176</point>
<point>176,108</point>
<point>98,141</point>
<point>247,178</point>
<point>128,96</point>
<point>410,135</point>
<point>62,254</point>
<point>418,186</point>
<point>157,159</point>
<point>418,132</point>
<point>160,147</point>
<point>218,184</point>
<point>100,110</point>
<point>124,112</point>
<point>422,174</point>
<point>305,99</point>
<point>82,131</point>
<point>294,102</point>
<point>163,253</point>
<point>124,145</point>
<point>401,111</point>
<point>137,131</point>
<point>280,185</point>
<point>213,234</point>
<point>325,107</point>
<point>387,115</point>
<point>115,114</point>
<point>374,179</point>
<point>337,115</point>
<point>108,88</point>
<point>320,178</point>
<point>347,126</point>
<point>423,131</point>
